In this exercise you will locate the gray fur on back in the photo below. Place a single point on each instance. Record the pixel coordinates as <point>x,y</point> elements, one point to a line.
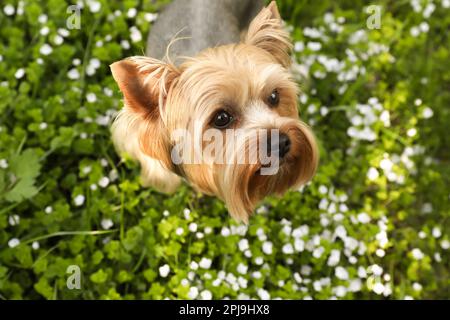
<point>207,23</point>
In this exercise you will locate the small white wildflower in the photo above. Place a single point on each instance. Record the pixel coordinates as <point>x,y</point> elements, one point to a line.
<point>205,263</point>
<point>187,213</point>
<point>91,97</point>
<point>263,294</point>
<point>363,218</point>
<point>94,6</point>
<point>46,49</point>
<point>193,227</point>
<point>48,210</point>
<point>164,270</point>
<point>267,247</point>
<point>417,254</point>
<point>445,244</point>
<point>243,244</point>
<point>376,270</point>
<point>288,249</point>
<point>424,27</point>
<point>380,253</point>
<point>242,268</point>
<point>199,235</point>
<point>225,232</point>
<point>19,73</point>
<point>362,272</point>
<point>93,187</point>
<point>259,261</point>
<point>43,125</point>
<point>79,200</point>
<point>341,273</point>
<point>73,74</point>
<point>106,224</point>
<point>14,220</point>
<point>3,163</point>
<point>193,265</point>
<point>436,232</point>
<point>193,292</point>
<point>43,18</point>
<point>417,286</point>
<point>179,231</point>
<point>58,40</point>
<point>427,113</point>
<point>411,132</point>
<point>314,46</point>
<point>372,174</point>
<point>334,258</point>
<point>340,291</point>
<point>9,10</point>
<point>14,242</point>
<point>35,245</point>
<point>378,288</point>
<point>103,182</point>
<point>206,295</point>
<point>135,35</point>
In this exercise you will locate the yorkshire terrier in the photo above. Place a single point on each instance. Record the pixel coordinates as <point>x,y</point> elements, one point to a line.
<point>214,119</point>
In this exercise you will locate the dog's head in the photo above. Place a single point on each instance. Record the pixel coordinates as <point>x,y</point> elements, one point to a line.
<point>226,120</point>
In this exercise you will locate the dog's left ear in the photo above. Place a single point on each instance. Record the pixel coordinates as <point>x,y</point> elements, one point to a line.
<point>266,32</point>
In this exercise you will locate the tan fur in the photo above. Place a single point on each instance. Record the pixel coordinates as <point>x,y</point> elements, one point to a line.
<point>161,98</point>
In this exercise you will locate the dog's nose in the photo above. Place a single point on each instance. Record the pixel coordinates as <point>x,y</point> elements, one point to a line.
<point>284,145</point>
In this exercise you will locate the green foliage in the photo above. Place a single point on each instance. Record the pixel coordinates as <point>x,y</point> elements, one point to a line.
<point>373,223</point>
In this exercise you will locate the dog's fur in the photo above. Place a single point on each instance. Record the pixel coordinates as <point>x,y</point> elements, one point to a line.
<point>161,97</point>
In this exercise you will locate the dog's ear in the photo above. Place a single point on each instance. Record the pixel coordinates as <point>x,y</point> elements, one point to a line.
<point>266,32</point>
<point>145,83</point>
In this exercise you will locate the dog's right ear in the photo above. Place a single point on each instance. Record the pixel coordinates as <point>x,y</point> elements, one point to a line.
<point>145,83</point>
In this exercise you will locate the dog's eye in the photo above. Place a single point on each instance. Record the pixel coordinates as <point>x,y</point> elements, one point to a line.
<point>274,98</point>
<point>222,119</point>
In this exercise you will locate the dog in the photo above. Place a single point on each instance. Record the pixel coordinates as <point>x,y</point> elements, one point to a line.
<point>238,83</point>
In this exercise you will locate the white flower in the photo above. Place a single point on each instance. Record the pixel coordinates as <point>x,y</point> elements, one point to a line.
<point>411,132</point>
<point>164,270</point>
<point>179,231</point>
<point>206,295</point>
<point>427,208</point>
<point>193,227</point>
<point>446,4</point>
<point>43,125</point>
<point>436,232</point>
<point>243,244</point>
<point>340,291</point>
<point>150,17</point>
<point>225,232</point>
<point>362,272</point>
<point>107,224</point>
<point>341,273</point>
<point>3,163</point>
<point>19,73</point>
<point>445,244</point>
<point>45,49</point>
<point>288,249</point>
<point>334,258</point>
<point>125,44</point>
<point>14,220</point>
<point>267,247</point>
<point>73,74</point>
<point>417,254</point>
<point>58,40</point>
<point>63,32</point>
<point>355,285</point>
<point>372,174</point>
<point>14,242</point>
<point>323,189</point>
<point>363,218</point>
<point>299,46</point>
<point>79,200</point>
<point>187,213</point>
<point>263,294</point>
<point>376,269</point>
<point>103,182</point>
<point>94,6</point>
<point>9,10</point>
<point>242,268</point>
<point>417,286</point>
<point>299,245</point>
<point>205,263</point>
<point>35,245</point>
<point>42,18</point>
<point>259,261</point>
<point>131,13</point>
<point>340,232</point>
<point>385,117</point>
<point>427,113</point>
<point>193,292</point>
<point>91,97</point>
<point>424,27</point>
<point>135,35</point>
<point>378,288</point>
<point>193,265</point>
<point>48,210</point>
<point>314,46</point>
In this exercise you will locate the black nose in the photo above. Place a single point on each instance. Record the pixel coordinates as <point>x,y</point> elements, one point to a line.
<point>284,145</point>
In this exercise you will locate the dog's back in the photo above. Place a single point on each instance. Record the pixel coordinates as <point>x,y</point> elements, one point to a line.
<point>204,24</point>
